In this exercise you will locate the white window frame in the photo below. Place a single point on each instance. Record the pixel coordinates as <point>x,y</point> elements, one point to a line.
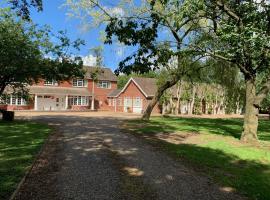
<point>104,84</point>
<point>79,83</point>
<point>15,100</point>
<point>50,82</point>
<point>78,100</point>
<point>137,102</point>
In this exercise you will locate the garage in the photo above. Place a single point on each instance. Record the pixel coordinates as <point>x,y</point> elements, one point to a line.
<point>49,102</point>
<point>59,98</point>
<point>137,105</point>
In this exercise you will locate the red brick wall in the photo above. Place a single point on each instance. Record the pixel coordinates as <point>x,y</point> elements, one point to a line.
<point>101,101</point>
<point>133,91</point>
<point>14,107</point>
<point>79,108</point>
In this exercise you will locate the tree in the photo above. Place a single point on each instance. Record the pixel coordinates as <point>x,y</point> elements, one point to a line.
<point>123,79</point>
<point>97,52</point>
<point>22,7</point>
<point>142,27</point>
<point>27,54</point>
<point>239,32</point>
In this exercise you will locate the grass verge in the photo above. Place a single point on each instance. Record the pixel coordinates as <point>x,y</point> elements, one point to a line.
<point>20,141</point>
<point>212,146</point>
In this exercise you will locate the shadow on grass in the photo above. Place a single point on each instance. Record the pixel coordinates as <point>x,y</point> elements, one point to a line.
<point>248,177</point>
<point>19,143</point>
<point>226,127</point>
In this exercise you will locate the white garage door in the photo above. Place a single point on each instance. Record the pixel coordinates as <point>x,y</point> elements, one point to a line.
<point>127,104</point>
<point>137,105</point>
<point>48,102</point>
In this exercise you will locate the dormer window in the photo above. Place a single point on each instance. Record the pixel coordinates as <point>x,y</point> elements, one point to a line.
<point>50,82</point>
<point>79,83</point>
<point>104,84</point>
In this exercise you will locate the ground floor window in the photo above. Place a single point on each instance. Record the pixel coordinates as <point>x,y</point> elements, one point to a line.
<point>119,101</point>
<point>78,101</point>
<point>13,100</point>
<point>137,102</point>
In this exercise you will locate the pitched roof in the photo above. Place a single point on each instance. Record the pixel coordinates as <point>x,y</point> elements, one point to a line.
<point>105,74</point>
<point>147,85</point>
<point>43,90</point>
<point>52,90</point>
<point>114,93</point>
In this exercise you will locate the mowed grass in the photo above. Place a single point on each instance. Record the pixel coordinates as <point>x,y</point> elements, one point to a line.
<point>19,143</point>
<point>214,148</point>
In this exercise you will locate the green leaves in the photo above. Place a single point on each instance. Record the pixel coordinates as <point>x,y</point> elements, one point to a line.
<point>28,54</point>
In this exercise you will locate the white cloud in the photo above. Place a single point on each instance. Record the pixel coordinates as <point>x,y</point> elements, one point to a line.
<point>89,60</point>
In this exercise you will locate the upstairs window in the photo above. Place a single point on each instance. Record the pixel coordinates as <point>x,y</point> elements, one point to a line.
<point>50,82</point>
<point>104,84</point>
<point>79,83</point>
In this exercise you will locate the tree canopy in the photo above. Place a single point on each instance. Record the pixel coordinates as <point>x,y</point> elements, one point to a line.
<point>28,54</point>
<point>236,32</point>
<point>22,7</point>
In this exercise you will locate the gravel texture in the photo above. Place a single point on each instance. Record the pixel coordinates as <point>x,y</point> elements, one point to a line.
<point>93,159</point>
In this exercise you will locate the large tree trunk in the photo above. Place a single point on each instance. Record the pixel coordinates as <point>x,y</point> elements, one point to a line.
<point>191,107</point>
<point>249,133</point>
<point>2,88</point>
<point>179,94</point>
<point>158,94</point>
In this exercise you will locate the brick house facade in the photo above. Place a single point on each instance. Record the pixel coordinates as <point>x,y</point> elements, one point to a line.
<point>134,97</point>
<point>75,94</point>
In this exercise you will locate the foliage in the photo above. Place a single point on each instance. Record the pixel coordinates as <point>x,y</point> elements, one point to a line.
<point>19,143</point>
<point>238,33</point>
<point>123,79</point>
<point>27,54</point>
<point>22,7</point>
<point>97,53</point>
<point>215,150</point>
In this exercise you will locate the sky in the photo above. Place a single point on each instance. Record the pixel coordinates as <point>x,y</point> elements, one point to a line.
<point>54,15</point>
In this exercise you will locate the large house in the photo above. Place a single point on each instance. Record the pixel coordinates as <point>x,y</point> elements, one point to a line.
<point>76,94</point>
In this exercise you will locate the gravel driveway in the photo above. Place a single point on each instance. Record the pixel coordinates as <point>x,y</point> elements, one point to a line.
<point>92,159</point>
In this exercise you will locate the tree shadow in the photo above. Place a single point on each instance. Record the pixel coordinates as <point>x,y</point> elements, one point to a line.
<point>248,177</point>
<point>19,143</point>
<point>135,171</point>
<point>226,127</point>
<point>87,160</point>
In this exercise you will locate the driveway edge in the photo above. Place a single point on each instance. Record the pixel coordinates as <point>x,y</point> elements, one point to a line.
<point>37,156</point>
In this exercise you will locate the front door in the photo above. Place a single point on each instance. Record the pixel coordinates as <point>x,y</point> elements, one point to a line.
<point>60,103</point>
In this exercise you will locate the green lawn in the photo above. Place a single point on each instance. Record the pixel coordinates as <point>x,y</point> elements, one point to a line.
<point>19,143</point>
<point>216,150</point>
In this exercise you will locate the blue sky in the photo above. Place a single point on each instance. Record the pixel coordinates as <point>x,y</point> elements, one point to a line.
<point>54,15</point>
